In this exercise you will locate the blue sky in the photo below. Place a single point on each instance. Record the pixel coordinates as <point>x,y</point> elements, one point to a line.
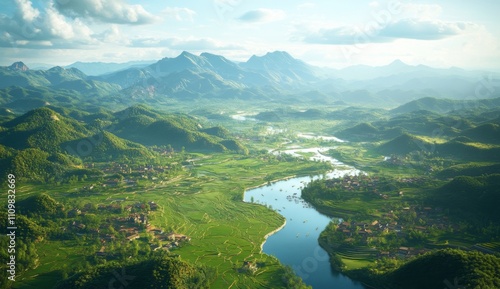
<point>325,33</point>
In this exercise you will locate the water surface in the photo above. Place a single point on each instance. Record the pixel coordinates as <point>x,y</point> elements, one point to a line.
<point>296,244</point>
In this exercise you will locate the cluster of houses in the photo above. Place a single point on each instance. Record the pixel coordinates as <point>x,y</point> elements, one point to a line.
<point>365,183</point>
<point>168,240</point>
<point>129,226</point>
<point>360,232</point>
<point>119,168</point>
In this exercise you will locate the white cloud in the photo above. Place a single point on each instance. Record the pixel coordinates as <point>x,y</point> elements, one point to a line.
<point>30,27</point>
<point>424,27</point>
<point>107,11</point>
<point>113,35</point>
<point>26,10</point>
<point>189,43</point>
<point>179,14</point>
<point>262,15</point>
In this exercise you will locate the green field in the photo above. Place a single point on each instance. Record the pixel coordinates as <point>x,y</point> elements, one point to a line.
<point>224,230</point>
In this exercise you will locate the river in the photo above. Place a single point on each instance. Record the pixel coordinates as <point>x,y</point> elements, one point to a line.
<point>296,244</point>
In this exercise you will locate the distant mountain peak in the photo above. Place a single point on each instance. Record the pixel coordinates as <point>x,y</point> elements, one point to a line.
<point>57,69</point>
<point>186,54</point>
<point>279,53</point>
<point>19,66</point>
<point>398,63</point>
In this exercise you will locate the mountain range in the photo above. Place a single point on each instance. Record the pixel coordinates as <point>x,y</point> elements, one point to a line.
<point>273,76</point>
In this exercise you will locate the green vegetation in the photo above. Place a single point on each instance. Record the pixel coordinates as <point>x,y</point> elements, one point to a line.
<point>441,269</point>
<point>159,271</point>
<point>101,191</point>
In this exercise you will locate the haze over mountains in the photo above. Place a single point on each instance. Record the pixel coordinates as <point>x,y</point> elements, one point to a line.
<point>275,75</point>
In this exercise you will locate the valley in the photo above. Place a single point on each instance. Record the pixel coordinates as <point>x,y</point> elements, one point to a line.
<point>147,172</point>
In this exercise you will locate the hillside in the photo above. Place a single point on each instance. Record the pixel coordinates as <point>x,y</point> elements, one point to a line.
<point>445,105</point>
<point>41,128</point>
<point>478,197</point>
<point>472,270</point>
<point>106,146</point>
<point>486,133</point>
<point>403,144</point>
<point>363,131</point>
<point>158,272</point>
<point>148,127</point>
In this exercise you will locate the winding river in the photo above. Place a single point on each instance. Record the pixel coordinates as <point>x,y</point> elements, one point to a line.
<point>296,244</point>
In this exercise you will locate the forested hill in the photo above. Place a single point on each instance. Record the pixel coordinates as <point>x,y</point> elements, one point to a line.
<point>43,143</point>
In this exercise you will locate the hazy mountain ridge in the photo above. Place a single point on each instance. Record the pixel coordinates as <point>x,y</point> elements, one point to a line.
<point>275,75</point>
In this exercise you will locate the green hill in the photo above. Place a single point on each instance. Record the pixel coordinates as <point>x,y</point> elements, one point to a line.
<point>41,128</point>
<point>107,146</point>
<point>363,131</point>
<point>137,110</point>
<point>472,170</point>
<point>486,133</point>
<point>471,270</point>
<point>219,131</point>
<point>148,127</point>
<point>460,148</point>
<point>403,144</point>
<point>41,204</point>
<point>157,272</point>
<point>478,197</point>
<point>427,103</point>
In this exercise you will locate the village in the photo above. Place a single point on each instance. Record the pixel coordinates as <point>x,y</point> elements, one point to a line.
<point>391,234</point>
<point>131,224</point>
<point>373,185</point>
<point>397,227</point>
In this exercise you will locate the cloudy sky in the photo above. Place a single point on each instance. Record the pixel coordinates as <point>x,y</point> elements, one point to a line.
<point>334,33</point>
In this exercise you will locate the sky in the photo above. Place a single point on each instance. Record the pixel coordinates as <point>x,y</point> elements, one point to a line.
<point>328,33</point>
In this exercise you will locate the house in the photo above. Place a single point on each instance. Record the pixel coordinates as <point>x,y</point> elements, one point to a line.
<point>133,237</point>
<point>248,266</point>
<point>420,228</point>
<point>101,252</point>
<point>153,206</point>
<point>74,212</point>
<point>404,250</point>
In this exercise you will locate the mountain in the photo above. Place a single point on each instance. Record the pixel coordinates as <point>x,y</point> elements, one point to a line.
<point>99,68</point>
<point>275,76</point>
<point>281,67</point>
<point>191,76</point>
<point>365,72</point>
<point>147,127</point>
<point>18,66</point>
<point>58,78</point>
